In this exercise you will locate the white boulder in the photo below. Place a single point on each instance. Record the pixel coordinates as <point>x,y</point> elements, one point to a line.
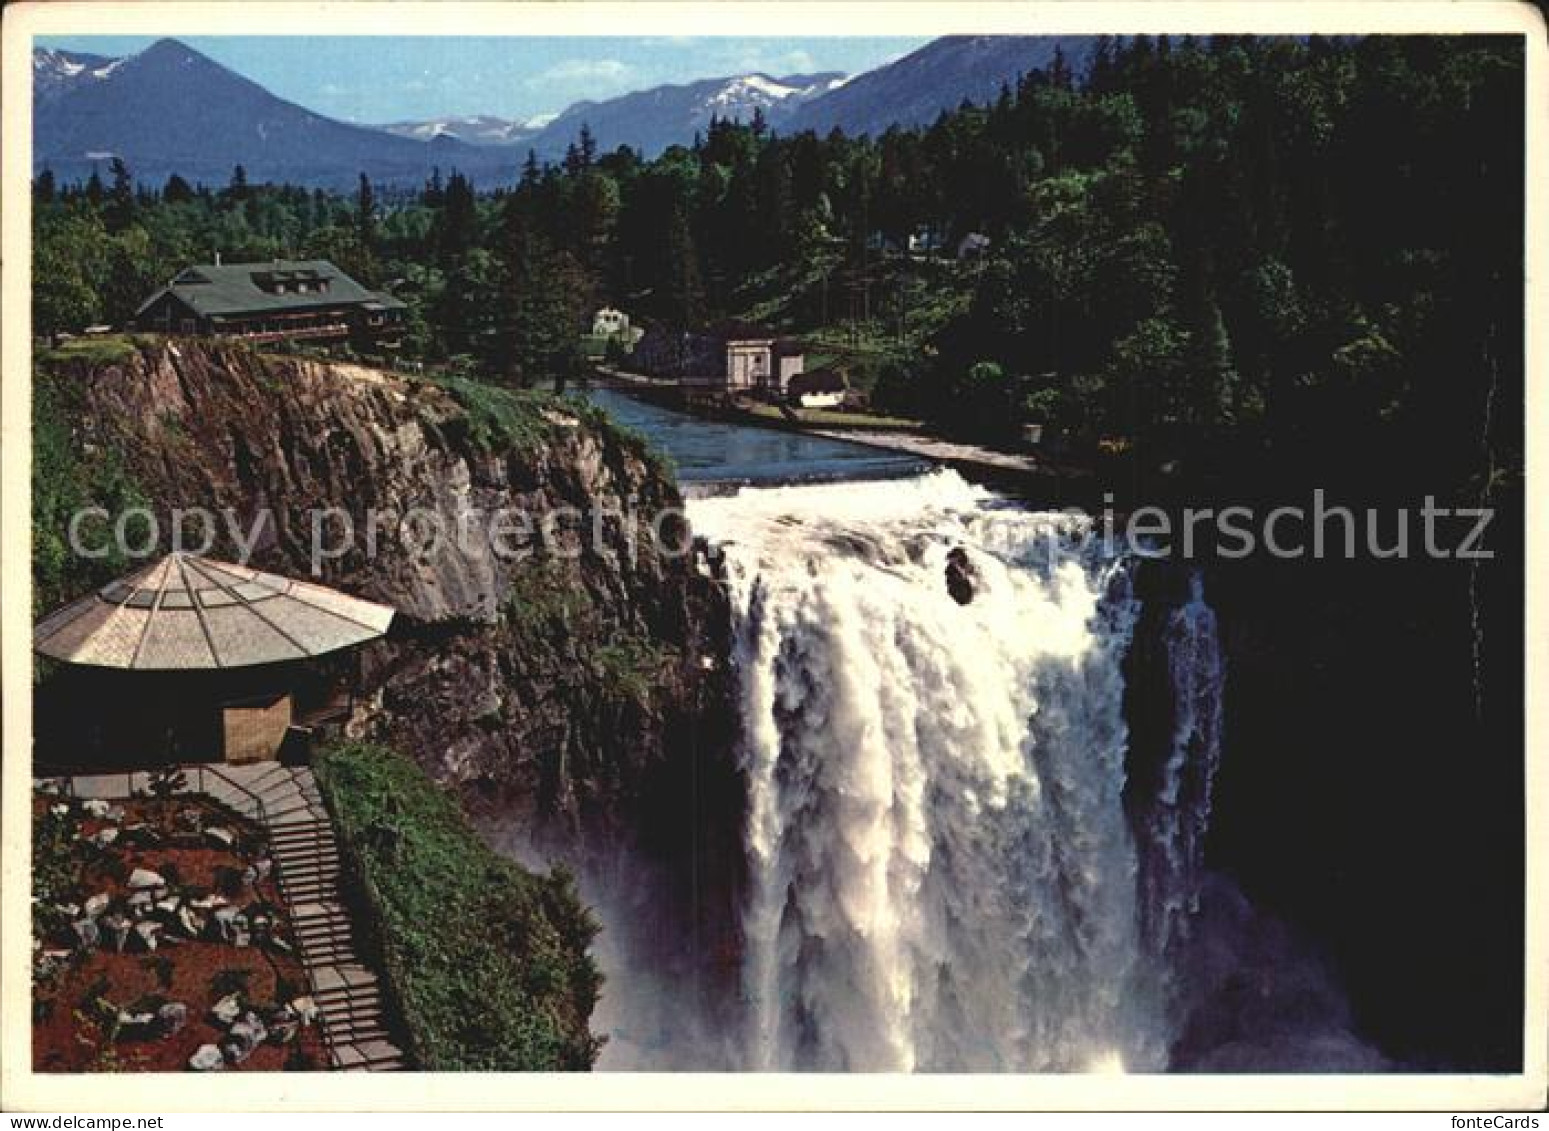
<point>143,879</point>
<point>228,1009</point>
<point>207,1058</point>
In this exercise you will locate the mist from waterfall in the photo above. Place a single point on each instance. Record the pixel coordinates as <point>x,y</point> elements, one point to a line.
<point>942,875</point>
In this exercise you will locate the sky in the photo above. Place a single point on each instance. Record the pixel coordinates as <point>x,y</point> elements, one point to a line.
<point>381,79</point>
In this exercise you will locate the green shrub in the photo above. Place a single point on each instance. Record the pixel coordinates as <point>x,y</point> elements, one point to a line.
<point>544,601</point>
<point>486,961</point>
<point>109,349</point>
<point>499,419</point>
<point>67,477</point>
<point>54,862</point>
<point>631,666</point>
<point>506,419</point>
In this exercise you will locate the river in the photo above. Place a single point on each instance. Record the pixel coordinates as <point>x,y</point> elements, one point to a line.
<point>711,455</point>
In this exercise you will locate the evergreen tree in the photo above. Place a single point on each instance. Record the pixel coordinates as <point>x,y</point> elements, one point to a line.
<point>1061,77</point>
<point>685,293</point>
<point>457,222</point>
<point>366,227</point>
<point>43,187</point>
<point>120,211</point>
<point>1213,392</point>
<point>177,190</point>
<point>537,335</point>
<point>532,172</point>
<point>434,194</point>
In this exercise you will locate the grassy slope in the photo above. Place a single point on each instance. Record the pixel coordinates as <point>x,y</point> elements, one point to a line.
<point>833,418</point>
<point>487,961</point>
<point>910,299</point>
<point>506,419</point>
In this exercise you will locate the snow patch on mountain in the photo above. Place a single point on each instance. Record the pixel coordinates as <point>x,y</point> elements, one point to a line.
<point>56,73</point>
<point>478,129</point>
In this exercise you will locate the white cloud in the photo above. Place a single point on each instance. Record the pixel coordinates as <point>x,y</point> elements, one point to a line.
<point>601,72</point>
<point>794,61</point>
<point>744,58</point>
<point>332,90</point>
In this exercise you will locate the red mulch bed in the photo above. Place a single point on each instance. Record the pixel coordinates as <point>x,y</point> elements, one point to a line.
<point>68,1038</point>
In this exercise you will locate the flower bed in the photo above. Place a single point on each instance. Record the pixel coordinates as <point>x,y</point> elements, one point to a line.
<point>160,942</point>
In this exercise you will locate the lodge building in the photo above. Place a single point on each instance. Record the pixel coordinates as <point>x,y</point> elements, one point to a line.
<point>272,301</point>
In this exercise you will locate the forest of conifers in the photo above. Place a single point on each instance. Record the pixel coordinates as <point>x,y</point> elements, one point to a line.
<point>1228,249</point>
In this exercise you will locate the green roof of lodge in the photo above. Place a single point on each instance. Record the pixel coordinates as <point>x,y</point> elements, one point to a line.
<point>228,289</point>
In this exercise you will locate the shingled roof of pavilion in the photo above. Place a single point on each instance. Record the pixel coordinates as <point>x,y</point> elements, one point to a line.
<point>191,613</point>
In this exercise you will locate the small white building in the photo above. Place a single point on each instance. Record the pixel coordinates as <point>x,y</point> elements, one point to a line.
<point>733,357</point>
<point>609,322</point>
<point>749,362</point>
<point>925,240</point>
<point>757,359</point>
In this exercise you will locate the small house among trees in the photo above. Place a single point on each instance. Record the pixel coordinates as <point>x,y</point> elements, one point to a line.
<point>609,321</point>
<point>613,335</point>
<point>731,356</point>
<point>272,301</point>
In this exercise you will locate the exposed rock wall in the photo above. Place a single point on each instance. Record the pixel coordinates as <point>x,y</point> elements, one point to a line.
<point>571,699</point>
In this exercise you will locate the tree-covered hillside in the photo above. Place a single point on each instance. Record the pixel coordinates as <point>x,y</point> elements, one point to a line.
<point>1216,248</point>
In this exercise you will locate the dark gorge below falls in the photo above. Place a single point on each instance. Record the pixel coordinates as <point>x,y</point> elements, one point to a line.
<point>1324,757</point>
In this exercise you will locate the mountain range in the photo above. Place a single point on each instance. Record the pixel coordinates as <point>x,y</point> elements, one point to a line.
<point>171,109</point>
<point>651,120</point>
<point>648,120</point>
<point>942,75</point>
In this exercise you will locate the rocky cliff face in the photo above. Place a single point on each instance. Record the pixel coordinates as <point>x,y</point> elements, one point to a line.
<point>568,688</point>
<point>1372,791</point>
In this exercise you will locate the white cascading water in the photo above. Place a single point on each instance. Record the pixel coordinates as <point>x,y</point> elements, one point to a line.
<point>941,872</point>
<point>1178,816</point>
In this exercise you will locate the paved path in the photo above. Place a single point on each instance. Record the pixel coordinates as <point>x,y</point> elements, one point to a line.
<point>306,857</point>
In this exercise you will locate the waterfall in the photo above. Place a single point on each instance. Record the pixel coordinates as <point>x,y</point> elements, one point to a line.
<point>941,873</point>
<point>1178,814</point>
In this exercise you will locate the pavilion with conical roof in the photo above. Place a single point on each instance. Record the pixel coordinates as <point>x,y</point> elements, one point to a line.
<point>203,653</point>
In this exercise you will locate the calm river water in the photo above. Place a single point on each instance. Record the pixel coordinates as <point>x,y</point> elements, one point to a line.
<point>709,452</point>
